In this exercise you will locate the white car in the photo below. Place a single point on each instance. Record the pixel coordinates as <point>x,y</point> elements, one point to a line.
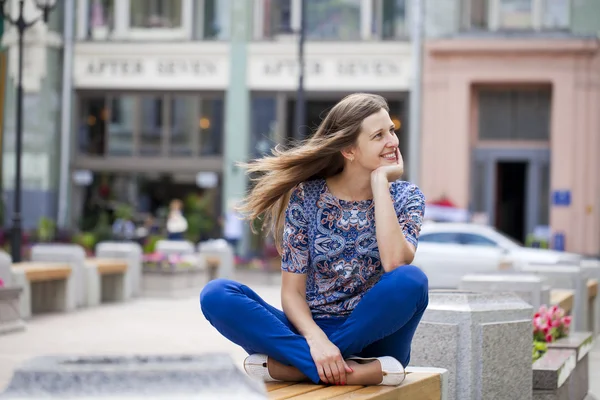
<point>448,251</point>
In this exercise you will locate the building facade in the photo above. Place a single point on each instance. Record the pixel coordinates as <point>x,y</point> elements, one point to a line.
<point>511,128</point>
<point>171,94</point>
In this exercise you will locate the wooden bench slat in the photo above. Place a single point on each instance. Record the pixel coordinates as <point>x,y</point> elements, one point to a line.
<point>592,288</point>
<point>44,271</point>
<point>562,298</point>
<point>328,392</point>
<point>293,390</point>
<point>107,266</point>
<point>277,385</point>
<point>416,386</point>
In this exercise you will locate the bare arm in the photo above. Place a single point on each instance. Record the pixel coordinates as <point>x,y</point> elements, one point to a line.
<point>394,249</point>
<point>295,307</point>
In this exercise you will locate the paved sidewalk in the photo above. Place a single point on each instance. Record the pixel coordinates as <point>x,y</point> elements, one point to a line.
<point>144,326</point>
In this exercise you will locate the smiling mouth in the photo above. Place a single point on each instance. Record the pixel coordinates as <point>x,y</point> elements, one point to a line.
<point>390,156</point>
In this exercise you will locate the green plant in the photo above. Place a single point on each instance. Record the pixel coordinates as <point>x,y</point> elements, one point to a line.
<point>150,245</point>
<point>198,216</point>
<point>87,240</point>
<point>103,230</point>
<point>539,348</point>
<point>124,211</point>
<point>46,229</point>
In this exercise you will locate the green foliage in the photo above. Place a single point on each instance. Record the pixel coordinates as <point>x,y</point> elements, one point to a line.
<point>198,216</point>
<point>87,240</point>
<point>150,245</point>
<point>539,348</point>
<point>46,230</point>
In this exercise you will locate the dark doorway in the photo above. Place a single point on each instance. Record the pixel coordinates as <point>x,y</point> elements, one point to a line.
<point>511,198</point>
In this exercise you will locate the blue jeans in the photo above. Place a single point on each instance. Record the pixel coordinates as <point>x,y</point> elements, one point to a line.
<point>382,324</point>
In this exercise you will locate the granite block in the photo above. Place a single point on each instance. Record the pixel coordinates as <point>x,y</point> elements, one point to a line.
<point>566,277</point>
<point>533,289</point>
<point>581,343</point>
<point>220,249</point>
<point>133,377</point>
<point>5,268</point>
<point>10,316</point>
<point>553,369</point>
<point>72,254</point>
<point>130,252</point>
<point>466,333</point>
<point>175,247</point>
<point>592,270</point>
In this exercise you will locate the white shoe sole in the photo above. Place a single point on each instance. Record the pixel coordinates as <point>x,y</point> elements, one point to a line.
<point>393,371</point>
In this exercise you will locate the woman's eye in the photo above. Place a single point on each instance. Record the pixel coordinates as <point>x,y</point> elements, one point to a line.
<point>378,135</point>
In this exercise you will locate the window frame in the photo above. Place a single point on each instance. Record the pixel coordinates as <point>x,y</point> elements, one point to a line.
<point>122,29</point>
<point>493,16</point>
<point>423,237</point>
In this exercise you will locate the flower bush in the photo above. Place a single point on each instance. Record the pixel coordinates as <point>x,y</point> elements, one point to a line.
<point>549,324</point>
<point>1,283</point>
<point>161,260</point>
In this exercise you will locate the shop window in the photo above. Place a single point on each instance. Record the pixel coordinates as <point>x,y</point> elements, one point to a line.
<point>151,125</point>
<point>514,114</point>
<point>155,13</point>
<point>333,19</point>
<point>183,124</point>
<point>210,124</point>
<point>390,19</point>
<point>216,18</point>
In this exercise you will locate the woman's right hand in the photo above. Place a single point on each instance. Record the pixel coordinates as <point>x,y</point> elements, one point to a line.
<point>331,366</point>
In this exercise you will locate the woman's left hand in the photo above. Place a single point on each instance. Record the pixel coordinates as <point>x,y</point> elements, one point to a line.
<point>390,172</point>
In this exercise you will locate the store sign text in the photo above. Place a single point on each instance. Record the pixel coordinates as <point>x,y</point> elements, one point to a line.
<point>345,68</point>
<point>161,67</point>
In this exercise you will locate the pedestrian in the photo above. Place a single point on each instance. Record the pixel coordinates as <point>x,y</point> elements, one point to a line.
<point>347,229</point>
<point>176,222</point>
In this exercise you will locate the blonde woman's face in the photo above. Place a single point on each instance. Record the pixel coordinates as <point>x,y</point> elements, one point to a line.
<point>377,142</point>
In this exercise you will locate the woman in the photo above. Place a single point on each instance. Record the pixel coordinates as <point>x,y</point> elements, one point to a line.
<point>351,303</point>
<point>176,222</point>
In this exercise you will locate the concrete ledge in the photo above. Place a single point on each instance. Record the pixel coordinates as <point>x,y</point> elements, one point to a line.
<point>553,369</point>
<point>210,376</point>
<point>581,343</point>
<point>427,384</point>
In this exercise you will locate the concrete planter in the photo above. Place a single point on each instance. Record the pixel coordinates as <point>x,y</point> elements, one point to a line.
<point>172,281</point>
<point>10,317</point>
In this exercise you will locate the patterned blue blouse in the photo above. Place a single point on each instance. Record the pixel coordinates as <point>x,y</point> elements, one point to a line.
<point>333,242</point>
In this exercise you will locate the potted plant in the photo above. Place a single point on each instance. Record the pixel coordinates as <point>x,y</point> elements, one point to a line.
<point>549,325</point>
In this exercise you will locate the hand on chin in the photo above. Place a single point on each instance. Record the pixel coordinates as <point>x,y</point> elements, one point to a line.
<point>391,171</point>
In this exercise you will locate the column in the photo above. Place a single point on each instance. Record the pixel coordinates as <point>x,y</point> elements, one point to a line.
<point>237,107</point>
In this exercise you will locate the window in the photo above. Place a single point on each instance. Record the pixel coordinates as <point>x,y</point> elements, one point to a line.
<point>101,19</point>
<point>333,19</point>
<point>155,13</point>
<point>211,126</point>
<point>120,127</point>
<point>277,17</point>
<point>264,125</point>
<point>216,19</point>
<point>439,237</point>
<point>516,14</point>
<point>92,126</point>
<point>183,125</point>
<point>514,114</point>
<point>151,124</point>
<point>390,19</point>
<point>476,240</point>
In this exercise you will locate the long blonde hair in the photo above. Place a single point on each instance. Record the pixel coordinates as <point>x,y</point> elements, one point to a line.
<point>320,156</point>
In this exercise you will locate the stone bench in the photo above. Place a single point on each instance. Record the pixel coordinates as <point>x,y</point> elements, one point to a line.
<point>47,286</point>
<point>421,385</point>
<point>563,298</point>
<point>106,280</point>
<point>131,253</point>
<point>593,306</point>
<point>221,256</point>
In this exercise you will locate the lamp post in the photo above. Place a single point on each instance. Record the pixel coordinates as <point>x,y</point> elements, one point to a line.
<point>22,25</point>
<point>300,111</point>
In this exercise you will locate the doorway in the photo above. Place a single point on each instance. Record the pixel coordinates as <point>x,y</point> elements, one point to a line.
<point>511,198</point>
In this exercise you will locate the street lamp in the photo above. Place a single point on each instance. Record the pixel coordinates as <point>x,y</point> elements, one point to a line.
<point>45,6</point>
<point>300,111</point>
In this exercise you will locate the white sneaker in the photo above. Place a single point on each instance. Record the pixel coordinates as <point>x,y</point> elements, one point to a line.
<point>393,372</point>
<point>256,367</point>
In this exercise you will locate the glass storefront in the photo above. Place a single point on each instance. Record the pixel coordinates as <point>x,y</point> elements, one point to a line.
<point>151,125</point>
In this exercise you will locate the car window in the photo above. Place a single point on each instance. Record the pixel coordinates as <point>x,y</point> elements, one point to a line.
<point>439,237</point>
<point>476,240</point>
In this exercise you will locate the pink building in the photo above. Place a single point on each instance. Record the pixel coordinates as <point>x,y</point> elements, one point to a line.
<point>511,129</point>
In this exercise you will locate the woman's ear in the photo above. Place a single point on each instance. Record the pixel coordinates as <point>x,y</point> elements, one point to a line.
<point>348,154</point>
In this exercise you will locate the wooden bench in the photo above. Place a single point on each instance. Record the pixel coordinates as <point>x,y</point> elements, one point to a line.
<point>563,298</point>
<point>212,264</point>
<point>47,287</point>
<point>416,386</point>
<point>106,280</point>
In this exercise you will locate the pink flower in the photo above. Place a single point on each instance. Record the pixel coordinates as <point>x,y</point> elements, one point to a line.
<point>549,338</point>
<point>1,283</point>
<point>546,330</point>
<point>566,321</point>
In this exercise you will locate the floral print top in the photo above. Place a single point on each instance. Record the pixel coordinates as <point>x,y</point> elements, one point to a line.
<point>333,242</point>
